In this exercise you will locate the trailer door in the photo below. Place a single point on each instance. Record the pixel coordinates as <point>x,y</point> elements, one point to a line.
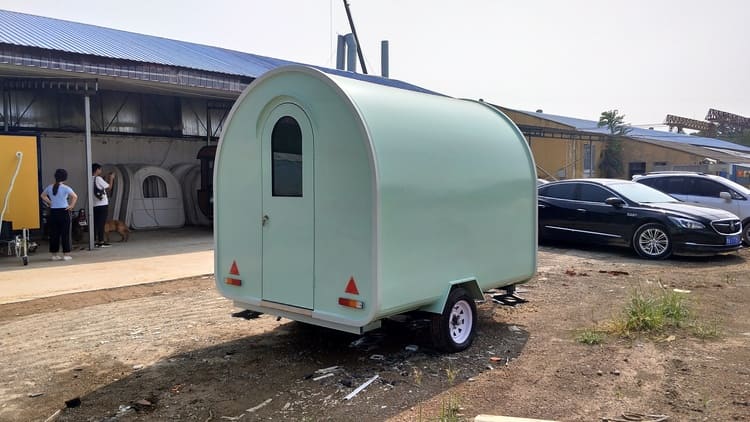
<point>288,240</point>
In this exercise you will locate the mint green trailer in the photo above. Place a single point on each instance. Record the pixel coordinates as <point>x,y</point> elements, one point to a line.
<point>339,202</point>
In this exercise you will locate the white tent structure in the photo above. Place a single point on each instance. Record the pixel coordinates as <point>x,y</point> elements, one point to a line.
<point>146,197</point>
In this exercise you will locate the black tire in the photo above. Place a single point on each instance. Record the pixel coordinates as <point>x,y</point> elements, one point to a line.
<point>652,241</point>
<point>746,232</point>
<point>454,329</point>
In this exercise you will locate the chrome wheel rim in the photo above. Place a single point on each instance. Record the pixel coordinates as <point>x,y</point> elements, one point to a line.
<point>460,322</point>
<point>653,242</point>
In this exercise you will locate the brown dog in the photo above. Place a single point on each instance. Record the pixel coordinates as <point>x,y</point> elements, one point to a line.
<point>116,226</point>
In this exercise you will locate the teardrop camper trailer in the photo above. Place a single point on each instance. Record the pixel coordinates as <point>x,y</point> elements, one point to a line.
<point>340,202</point>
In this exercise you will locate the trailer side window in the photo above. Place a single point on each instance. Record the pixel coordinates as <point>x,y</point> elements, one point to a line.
<point>286,158</point>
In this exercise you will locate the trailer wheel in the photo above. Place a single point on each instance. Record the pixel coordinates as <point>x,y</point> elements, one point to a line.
<point>454,329</point>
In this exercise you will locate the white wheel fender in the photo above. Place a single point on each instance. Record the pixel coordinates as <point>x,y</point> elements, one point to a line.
<point>471,286</point>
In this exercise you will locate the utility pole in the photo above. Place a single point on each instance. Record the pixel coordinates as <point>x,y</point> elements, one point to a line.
<point>354,32</point>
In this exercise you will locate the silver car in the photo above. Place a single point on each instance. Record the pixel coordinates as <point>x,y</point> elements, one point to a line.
<point>705,189</point>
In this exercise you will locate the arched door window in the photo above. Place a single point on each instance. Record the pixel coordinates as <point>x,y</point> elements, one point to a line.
<point>286,158</point>
<point>154,187</point>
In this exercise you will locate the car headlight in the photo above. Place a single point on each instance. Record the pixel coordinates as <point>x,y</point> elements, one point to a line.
<point>686,223</point>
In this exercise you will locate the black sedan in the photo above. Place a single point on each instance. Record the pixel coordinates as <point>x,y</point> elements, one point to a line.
<point>621,212</point>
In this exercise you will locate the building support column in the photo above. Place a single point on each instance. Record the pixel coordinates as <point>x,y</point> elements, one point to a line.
<point>89,162</point>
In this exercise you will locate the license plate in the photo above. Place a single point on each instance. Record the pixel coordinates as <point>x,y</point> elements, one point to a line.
<point>733,240</point>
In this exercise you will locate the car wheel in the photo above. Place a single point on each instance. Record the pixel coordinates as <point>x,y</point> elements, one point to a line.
<point>454,329</point>
<point>746,232</point>
<point>651,241</point>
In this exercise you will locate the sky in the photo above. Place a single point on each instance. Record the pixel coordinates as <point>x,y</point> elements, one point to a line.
<point>573,58</point>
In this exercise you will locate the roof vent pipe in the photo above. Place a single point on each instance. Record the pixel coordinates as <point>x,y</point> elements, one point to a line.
<point>384,65</point>
<point>340,52</point>
<point>351,52</point>
<point>346,50</point>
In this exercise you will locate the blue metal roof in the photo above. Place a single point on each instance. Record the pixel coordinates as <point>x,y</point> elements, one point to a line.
<point>638,133</point>
<point>26,30</point>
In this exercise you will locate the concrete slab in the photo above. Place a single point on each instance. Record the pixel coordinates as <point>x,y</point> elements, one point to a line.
<point>149,256</point>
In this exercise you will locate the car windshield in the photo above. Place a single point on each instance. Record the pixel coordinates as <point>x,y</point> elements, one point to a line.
<point>643,194</point>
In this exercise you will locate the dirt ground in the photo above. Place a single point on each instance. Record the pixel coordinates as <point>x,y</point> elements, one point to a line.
<point>171,351</point>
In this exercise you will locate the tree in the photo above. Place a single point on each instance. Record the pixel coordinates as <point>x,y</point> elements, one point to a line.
<point>610,163</point>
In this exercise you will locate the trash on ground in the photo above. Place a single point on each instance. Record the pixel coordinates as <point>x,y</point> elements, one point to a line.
<point>53,416</point>
<point>614,272</point>
<point>361,387</point>
<point>123,409</point>
<point>330,374</point>
<point>680,291</point>
<point>637,417</point>
<point>327,370</point>
<point>253,409</point>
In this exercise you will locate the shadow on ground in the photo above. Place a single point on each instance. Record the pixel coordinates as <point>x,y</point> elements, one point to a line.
<point>273,375</point>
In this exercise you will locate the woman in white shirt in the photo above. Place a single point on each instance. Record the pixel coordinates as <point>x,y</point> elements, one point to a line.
<point>61,199</point>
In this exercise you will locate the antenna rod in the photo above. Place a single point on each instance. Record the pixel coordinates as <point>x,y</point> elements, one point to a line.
<point>354,32</point>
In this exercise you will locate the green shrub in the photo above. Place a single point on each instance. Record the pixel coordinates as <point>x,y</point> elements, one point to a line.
<point>652,312</point>
<point>706,330</point>
<point>590,336</point>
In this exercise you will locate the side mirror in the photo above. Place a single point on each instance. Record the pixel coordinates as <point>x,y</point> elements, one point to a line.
<point>725,195</point>
<point>615,202</point>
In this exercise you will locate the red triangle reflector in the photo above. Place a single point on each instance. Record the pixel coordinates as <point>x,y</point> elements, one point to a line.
<point>234,270</point>
<point>351,287</point>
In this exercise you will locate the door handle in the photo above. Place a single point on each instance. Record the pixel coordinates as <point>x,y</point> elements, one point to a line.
<point>581,210</point>
<point>265,219</point>
<point>541,206</point>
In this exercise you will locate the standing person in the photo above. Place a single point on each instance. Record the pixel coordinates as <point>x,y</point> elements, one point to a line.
<point>61,199</point>
<point>101,203</point>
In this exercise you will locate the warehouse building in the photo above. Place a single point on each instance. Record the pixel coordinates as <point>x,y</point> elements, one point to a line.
<point>566,147</point>
<point>140,103</point>
<point>133,102</point>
